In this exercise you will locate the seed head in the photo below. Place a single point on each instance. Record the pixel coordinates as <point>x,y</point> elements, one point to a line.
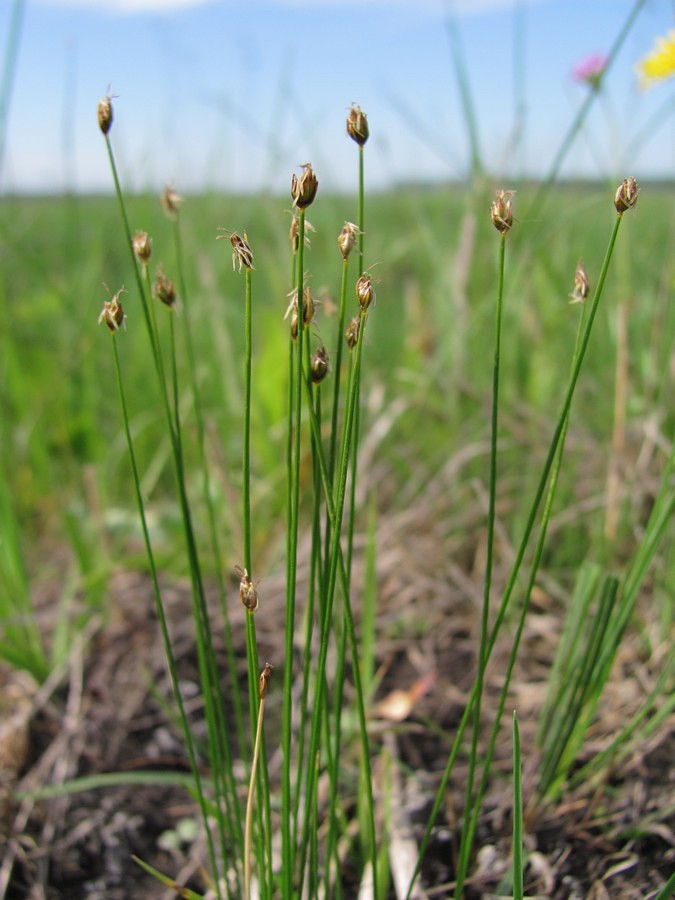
<point>352,332</point>
<point>142,247</point>
<point>626,195</point>
<point>501,211</point>
<point>319,364</point>
<point>347,238</point>
<point>171,201</point>
<point>357,125</point>
<point>581,285</point>
<point>248,593</point>
<point>164,289</point>
<point>364,291</point>
<point>112,313</point>
<point>264,680</point>
<point>241,250</point>
<point>105,113</point>
<point>304,188</point>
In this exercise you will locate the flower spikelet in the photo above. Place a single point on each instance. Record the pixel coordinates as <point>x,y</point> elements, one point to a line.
<point>581,285</point>
<point>357,125</point>
<point>112,313</point>
<point>626,195</point>
<point>241,249</point>
<point>347,238</point>
<point>501,211</point>
<point>142,246</point>
<point>105,113</point>
<point>304,188</point>
<point>170,201</point>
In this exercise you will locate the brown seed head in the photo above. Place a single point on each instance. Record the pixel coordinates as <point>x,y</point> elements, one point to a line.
<point>501,211</point>
<point>264,680</point>
<point>248,593</point>
<point>626,195</point>
<point>581,285</point>
<point>319,364</point>
<point>357,125</point>
<point>170,201</point>
<point>142,246</point>
<point>364,291</point>
<point>241,250</point>
<point>112,313</point>
<point>164,289</point>
<point>352,332</point>
<point>347,238</point>
<point>105,113</point>
<point>304,188</point>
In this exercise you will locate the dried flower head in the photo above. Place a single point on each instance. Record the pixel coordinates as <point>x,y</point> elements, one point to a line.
<point>264,680</point>
<point>142,247</point>
<point>248,593</point>
<point>626,195</point>
<point>294,233</point>
<point>105,113</point>
<point>591,70</point>
<point>502,212</point>
<point>581,285</point>
<point>308,310</point>
<point>660,63</point>
<point>170,201</point>
<point>347,238</point>
<point>112,313</point>
<point>357,125</point>
<point>318,365</point>
<point>241,250</point>
<point>164,289</point>
<point>364,291</point>
<point>304,188</point>
<point>352,332</point>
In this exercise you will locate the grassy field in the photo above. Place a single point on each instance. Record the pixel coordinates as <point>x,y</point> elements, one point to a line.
<point>70,523</point>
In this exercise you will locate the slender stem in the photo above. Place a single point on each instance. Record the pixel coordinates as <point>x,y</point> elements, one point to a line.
<point>249,802</point>
<point>295,423</point>
<point>520,554</point>
<point>465,847</point>
<point>161,615</point>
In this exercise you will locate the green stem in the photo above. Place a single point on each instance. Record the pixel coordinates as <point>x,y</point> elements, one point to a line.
<point>465,846</point>
<point>529,526</point>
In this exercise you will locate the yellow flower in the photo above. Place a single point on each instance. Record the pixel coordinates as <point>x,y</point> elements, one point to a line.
<point>658,64</point>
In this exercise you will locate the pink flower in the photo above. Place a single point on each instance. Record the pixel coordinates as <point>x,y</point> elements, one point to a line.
<point>590,70</point>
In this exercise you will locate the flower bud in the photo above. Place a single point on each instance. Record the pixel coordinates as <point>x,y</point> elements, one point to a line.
<point>304,188</point>
<point>105,114</point>
<point>501,211</point>
<point>357,125</point>
<point>626,195</point>
<point>319,365</point>
<point>142,246</point>
<point>347,238</point>
<point>364,291</point>
<point>112,313</point>
<point>581,285</point>
<point>164,289</point>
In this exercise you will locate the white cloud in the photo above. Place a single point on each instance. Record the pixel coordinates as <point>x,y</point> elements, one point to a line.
<point>127,7</point>
<point>455,7</point>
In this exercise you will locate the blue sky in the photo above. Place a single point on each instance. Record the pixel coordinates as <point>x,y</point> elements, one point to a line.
<point>237,93</point>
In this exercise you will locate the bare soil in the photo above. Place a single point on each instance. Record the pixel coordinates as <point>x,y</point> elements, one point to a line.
<point>109,712</point>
